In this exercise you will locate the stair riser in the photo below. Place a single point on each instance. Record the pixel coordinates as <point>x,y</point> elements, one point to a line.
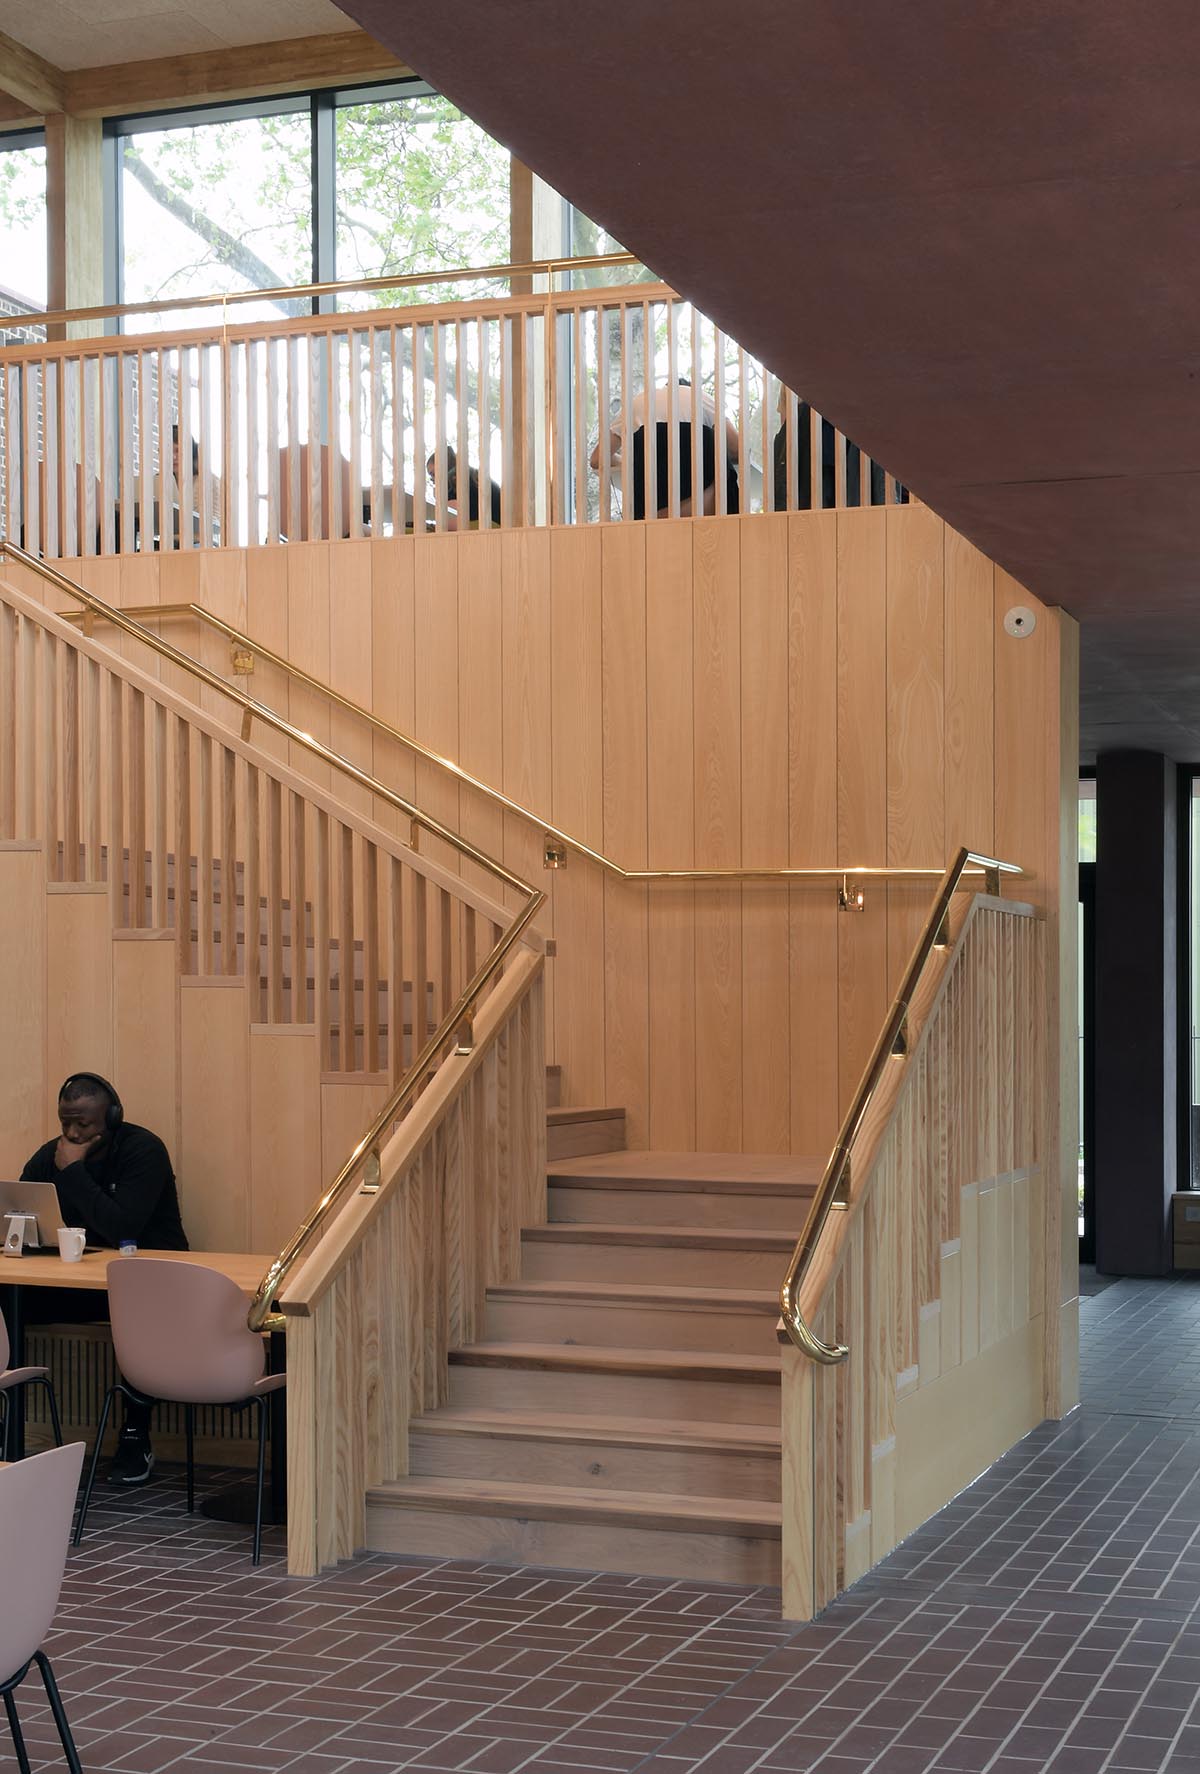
<point>614,1395</point>
<point>583,1139</point>
<point>659,1266</point>
<point>647,1206</point>
<point>432,1533</point>
<point>596,1465</point>
<point>629,1327</point>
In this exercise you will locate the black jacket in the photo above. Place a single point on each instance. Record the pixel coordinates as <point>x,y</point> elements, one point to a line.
<point>126,1190</point>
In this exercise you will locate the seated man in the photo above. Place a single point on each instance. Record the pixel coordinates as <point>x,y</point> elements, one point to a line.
<point>116,1181</point>
<point>454,515</point>
<point>685,404</point>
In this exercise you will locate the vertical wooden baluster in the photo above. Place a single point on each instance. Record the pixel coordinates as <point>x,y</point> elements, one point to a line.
<point>69,722</point>
<point>62,539</point>
<point>8,722</point>
<point>669,496</point>
<point>48,718</point>
<point>294,528</point>
<point>271,438</point>
<point>90,753</point>
<point>579,420</point>
<point>697,381</point>
<point>333,450</point>
<point>183,844</point>
<point>232,522</point>
<point>116,802</point>
<point>320,964</point>
<point>33,455</point>
<point>313,526</point>
<point>167,515</point>
<point>252,890</point>
<point>510,453</point>
<point>400,476</point>
<point>650,452</point>
<point>346,955</point>
<point>420,478</point>
<point>484,396</point>
<point>840,496</point>
<point>446,957</point>
<point>375,388</point>
<point>254,376</point>
<point>722,449</point>
<point>204,856</point>
<point>764,415</point>
<point>209,518</point>
<point>229,866</point>
<point>603,408</point>
<point>470,954</point>
<point>107,485</point>
<point>354,523</point>
<point>743,424</point>
<point>440,463</point>
<point>461,446</point>
<point>420,966</point>
<point>137,808</point>
<point>370,880</point>
<point>397,1058</point>
<point>144,483</point>
<point>160,790</point>
<point>298,923</point>
<point>274,901</point>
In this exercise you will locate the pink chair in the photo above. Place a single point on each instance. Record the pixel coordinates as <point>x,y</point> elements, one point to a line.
<point>179,1332</point>
<point>36,1499</point>
<point>11,1378</point>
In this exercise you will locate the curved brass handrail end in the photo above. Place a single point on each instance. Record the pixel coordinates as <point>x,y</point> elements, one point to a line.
<point>808,1343</point>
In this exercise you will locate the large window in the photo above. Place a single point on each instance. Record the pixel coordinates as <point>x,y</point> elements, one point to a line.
<point>22,223</point>
<point>215,203</point>
<point>419,186</point>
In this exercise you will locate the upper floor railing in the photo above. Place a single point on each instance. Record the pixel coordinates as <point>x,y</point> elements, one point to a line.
<point>532,407</point>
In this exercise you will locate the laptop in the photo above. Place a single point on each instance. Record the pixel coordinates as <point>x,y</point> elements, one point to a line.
<point>40,1200</point>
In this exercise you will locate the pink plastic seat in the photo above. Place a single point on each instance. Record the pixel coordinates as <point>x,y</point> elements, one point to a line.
<point>179,1333</point>
<point>36,1499</point>
<point>11,1378</point>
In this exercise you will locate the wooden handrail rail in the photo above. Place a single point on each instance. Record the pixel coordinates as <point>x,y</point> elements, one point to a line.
<point>892,1043</point>
<point>300,292</point>
<point>555,838</point>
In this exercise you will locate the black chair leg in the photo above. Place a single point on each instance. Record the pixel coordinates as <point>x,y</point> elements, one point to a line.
<point>262,1463</point>
<point>189,1422</point>
<point>14,1725</point>
<point>92,1464</point>
<point>59,1711</point>
<point>54,1417</point>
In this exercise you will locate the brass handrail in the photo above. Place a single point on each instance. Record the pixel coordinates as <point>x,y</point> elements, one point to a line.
<point>556,841</point>
<point>457,1019</point>
<point>892,1043</point>
<point>300,292</point>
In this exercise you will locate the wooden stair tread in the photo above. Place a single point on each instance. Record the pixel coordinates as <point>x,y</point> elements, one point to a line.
<point>631,1509</point>
<point>677,1364</point>
<point>617,1293</point>
<point>684,1436</point>
<point>662,1237</point>
<point>733,1171</point>
<point>563,1117</point>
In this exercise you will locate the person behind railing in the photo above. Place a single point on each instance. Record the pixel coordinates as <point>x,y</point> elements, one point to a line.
<point>802,483</point>
<point>450,471</point>
<point>115,1180</point>
<point>684,399</point>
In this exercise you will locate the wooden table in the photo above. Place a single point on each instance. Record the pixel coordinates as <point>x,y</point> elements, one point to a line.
<point>91,1275</point>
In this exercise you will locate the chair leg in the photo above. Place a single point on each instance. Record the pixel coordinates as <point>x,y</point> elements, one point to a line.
<point>189,1421</point>
<point>53,1403</point>
<point>92,1464</point>
<point>14,1725</point>
<point>4,1427</point>
<point>262,1462</point>
<point>59,1711</point>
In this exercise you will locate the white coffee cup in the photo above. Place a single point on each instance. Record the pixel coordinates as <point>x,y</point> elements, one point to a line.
<point>71,1240</point>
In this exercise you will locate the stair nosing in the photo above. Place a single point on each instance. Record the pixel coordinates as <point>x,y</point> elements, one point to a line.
<point>624,1232</point>
<point>756,1440</point>
<point>687,1364</point>
<point>622,1293</point>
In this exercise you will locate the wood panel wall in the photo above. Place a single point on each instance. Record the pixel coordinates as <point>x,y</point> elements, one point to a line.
<point>826,687</point>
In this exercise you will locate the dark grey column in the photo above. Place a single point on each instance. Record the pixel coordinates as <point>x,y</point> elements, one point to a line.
<point>1137,1047</point>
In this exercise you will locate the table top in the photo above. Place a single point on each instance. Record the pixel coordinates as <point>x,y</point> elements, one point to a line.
<point>91,1271</point>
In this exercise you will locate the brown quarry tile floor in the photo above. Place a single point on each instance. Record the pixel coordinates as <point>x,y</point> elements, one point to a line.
<point>1048,1618</point>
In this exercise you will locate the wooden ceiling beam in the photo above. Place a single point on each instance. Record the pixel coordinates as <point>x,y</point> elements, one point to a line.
<point>341,58</point>
<point>30,80</point>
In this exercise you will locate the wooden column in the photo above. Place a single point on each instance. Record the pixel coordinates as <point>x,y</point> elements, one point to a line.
<point>74,216</point>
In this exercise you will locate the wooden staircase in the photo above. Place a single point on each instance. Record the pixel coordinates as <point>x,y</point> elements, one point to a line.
<point>622,1408</point>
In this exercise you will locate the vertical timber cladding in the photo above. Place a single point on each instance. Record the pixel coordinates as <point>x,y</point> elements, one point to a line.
<point>803,688</point>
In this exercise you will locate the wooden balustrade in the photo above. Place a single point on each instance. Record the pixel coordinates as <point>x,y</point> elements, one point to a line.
<point>321,428</point>
<point>330,920</point>
<point>932,1277</point>
<point>399,1281</point>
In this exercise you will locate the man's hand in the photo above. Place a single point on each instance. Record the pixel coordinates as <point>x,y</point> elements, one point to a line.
<point>72,1151</point>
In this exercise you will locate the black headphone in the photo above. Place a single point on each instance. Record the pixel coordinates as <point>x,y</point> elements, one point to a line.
<point>115,1113</point>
